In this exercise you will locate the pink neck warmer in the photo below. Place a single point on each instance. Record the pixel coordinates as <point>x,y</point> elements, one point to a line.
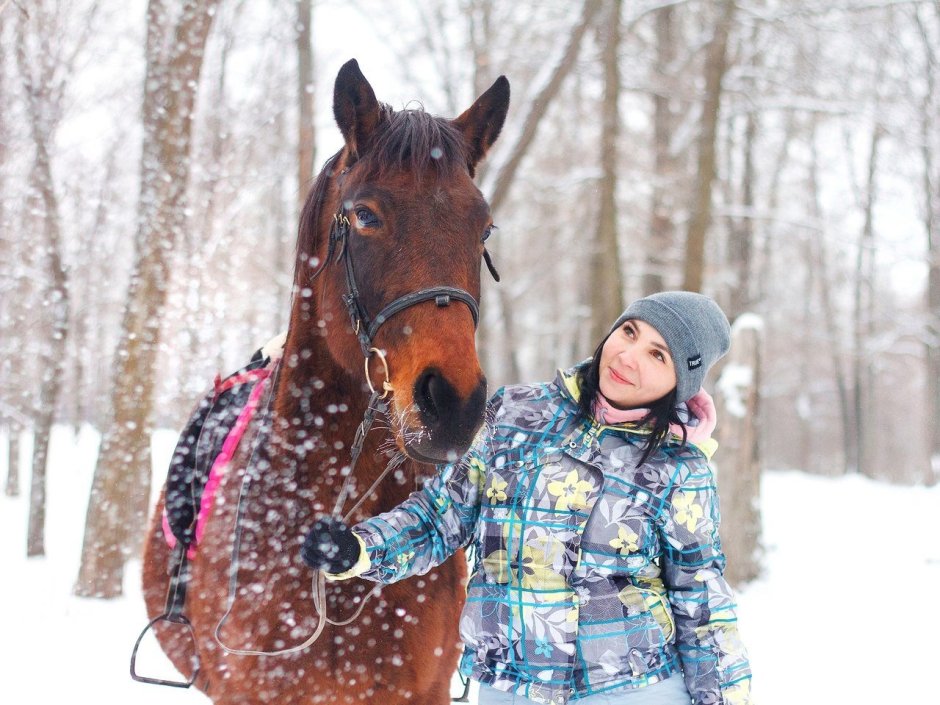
<point>604,413</point>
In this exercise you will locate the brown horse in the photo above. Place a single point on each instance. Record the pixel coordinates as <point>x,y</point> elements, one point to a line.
<point>394,212</point>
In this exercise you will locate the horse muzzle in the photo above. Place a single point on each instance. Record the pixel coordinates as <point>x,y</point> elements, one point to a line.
<point>450,421</point>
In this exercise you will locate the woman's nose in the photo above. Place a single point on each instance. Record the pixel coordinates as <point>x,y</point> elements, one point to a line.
<point>628,358</point>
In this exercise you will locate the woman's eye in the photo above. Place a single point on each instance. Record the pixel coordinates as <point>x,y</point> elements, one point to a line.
<point>366,218</point>
<point>629,331</point>
<point>659,356</point>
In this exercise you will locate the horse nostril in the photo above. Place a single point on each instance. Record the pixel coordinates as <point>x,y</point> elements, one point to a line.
<point>450,421</point>
<point>427,395</point>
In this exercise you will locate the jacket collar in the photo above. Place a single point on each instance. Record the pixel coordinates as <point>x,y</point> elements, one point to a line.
<point>567,382</point>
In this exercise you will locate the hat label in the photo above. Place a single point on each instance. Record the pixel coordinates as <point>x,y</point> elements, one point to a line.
<point>695,362</point>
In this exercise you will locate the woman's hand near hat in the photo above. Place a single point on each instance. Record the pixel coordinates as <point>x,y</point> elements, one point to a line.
<point>703,407</point>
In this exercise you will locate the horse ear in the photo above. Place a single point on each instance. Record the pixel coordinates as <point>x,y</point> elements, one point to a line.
<point>483,120</point>
<point>355,108</point>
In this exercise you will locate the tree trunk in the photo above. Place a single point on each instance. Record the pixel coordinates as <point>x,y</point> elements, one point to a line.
<point>931,186</point>
<point>827,303</point>
<point>43,111</point>
<point>118,506</point>
<point>741,246</point>
<point>863,300</point>
<point>764,275</point>
<point>479,28</point>
<point>606,282</point>
<point>662,230</point>
<point>306,137</point>
<point>12,487</point>
<point>7,310</point>
<point>739,460</point>
<point>715,67</point>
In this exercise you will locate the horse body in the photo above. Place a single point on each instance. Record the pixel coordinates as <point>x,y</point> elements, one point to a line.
<point>415,223</point>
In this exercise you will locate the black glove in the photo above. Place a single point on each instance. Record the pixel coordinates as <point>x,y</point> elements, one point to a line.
<point>330,545</point>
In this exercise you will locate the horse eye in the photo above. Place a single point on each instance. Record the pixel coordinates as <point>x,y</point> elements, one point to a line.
<point>488,232</point>
<point>366,218</point>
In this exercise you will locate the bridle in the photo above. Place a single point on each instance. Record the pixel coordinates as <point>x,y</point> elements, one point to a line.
<point>365,327</point>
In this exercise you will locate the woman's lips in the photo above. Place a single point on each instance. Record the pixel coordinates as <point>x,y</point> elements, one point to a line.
<point>619,378</point>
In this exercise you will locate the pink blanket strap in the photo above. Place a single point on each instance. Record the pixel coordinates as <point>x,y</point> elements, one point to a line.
<point>225,455</point>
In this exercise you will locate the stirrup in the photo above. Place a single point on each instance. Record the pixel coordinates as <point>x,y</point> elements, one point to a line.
<point>160,681</point>
<point>172,613</point>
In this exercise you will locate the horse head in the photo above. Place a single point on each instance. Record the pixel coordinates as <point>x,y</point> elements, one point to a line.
<point>389,260</point>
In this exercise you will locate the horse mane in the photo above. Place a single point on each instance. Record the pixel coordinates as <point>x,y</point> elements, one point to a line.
<point>410,140</point>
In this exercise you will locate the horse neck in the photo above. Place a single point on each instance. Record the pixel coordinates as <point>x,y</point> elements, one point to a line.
<point>319,407</point>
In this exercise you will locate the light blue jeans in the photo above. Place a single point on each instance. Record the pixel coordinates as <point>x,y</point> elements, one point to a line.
<point>671,691</point>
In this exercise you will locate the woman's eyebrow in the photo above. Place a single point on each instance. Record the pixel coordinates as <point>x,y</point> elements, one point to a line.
<point>658,346</point>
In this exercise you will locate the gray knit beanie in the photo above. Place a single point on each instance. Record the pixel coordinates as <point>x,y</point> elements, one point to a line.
<point>693,326</point>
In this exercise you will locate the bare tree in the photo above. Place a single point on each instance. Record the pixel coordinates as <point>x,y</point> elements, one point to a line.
<point>44,74</point>
<point>819,262</point>
<point>7,254</point>
<point>306,137</point>
<point>739,459</point>
<point>863,315</point>
<point>606,285</point>
<point>120,493</point>
<point>741,230</point>
<point>662,229</point>
<point>715,67</point>
<point>931,194</point>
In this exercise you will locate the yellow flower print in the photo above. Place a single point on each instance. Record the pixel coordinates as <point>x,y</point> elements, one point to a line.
<point>686,511</point>
<point>572,493</point>
<point>476,472</point>
<point>737,694</point>
<point>496,491</point>
<point>534,572</point>
<point>626,541</point>
<point>496,566</point>
<point>537,571</point>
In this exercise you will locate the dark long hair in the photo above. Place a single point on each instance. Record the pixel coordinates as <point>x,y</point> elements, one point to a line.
<point>662,412</point>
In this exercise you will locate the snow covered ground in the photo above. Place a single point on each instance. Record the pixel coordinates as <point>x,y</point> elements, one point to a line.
<point>846,611</point>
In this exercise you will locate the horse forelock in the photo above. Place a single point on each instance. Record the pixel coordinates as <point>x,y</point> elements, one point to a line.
<point>414,141</point>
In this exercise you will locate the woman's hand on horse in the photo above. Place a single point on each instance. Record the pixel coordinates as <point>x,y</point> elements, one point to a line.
<point>330,545</point>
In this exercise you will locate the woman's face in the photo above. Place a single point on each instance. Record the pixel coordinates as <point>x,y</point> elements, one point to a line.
<point>636,366</point>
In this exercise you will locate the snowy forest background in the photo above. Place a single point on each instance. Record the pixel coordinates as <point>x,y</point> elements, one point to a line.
<point>782,156</point>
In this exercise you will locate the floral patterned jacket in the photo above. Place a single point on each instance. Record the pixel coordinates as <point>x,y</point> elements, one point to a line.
<point>589,573</point>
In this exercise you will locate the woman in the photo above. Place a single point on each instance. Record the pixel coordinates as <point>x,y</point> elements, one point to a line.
<point>597,567</point>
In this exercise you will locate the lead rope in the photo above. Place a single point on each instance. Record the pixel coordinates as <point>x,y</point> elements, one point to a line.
<point>318,584</point>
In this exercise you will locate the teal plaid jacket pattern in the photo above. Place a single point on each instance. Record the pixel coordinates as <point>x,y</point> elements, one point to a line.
<point>589,574</point>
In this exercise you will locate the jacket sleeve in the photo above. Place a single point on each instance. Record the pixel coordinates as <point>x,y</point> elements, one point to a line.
<point>714,660</point>
<point>429,526</point>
